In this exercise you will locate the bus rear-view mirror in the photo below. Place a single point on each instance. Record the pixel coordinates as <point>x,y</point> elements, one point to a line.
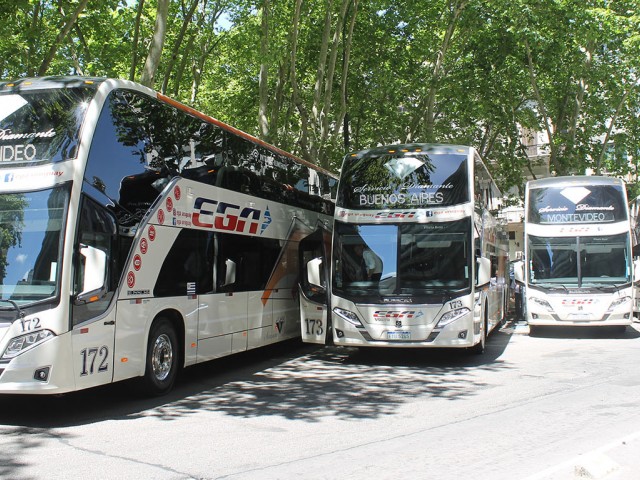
<point>230,272</point>
<point>314,268</point>
<point>94,274</point>
<point>518,271</point>
<point>484,271</point>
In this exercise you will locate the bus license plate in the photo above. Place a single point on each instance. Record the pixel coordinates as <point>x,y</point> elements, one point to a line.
<point>398,335</point>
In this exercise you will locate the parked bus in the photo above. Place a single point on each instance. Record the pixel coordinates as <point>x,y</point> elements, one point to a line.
<point>634,218</point>
<point>578,266</point>
<point>417,257</point>
<point>140,236</point>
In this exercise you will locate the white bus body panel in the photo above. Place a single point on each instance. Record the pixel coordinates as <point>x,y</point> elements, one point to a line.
<point>313,320</point>
<point>579,309</point>
<point>408,325</point>
<point>575,306</point>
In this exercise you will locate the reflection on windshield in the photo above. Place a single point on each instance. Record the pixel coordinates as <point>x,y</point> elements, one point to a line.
<point>405,259</point>
<point>403,180</point>
<point>41,126</point>
<point>30,233</point>
<point>580,261</point>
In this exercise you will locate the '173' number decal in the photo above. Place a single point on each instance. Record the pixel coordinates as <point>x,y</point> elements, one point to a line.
<point>314,327</point>
<point>89,357</point>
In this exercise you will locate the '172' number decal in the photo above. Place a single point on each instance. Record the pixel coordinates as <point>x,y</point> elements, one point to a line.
<point>89,357</point>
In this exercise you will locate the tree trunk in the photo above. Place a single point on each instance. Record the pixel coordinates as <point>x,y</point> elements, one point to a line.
<point>347,40</point>
<point>157,43</point>
<point>263,81</point>
<point>136,39</point>
<point>610,128</point>
<point>66,28</point>
<point>33,29</point>
<point>175,51</point>
<point>543,111</point>
<point>328,88</point>
<point>427,104</point>
<point>303,141</point>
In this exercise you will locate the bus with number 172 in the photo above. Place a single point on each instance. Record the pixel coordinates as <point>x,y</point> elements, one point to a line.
<point>139,236</point>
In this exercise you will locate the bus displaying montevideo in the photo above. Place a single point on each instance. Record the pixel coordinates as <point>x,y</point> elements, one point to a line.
<point>578,267</point>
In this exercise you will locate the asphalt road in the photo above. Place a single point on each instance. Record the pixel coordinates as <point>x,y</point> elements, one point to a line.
<point>561,405</point>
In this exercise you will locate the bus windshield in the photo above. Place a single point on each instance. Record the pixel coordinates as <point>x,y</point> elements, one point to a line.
<point>415,179</point>
<point>580,261</point>
<point>41,126</point>
<point>30,244</point>
<point>374,261</point>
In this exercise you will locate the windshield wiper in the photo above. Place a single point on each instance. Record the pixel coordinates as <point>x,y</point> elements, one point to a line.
<point>15,305</point>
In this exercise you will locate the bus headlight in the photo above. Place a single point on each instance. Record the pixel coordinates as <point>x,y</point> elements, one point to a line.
<point>350,317</point>
<point>22,343</point>
<point>451,316</point>
<point>541,302</point>
<point>617,302</point>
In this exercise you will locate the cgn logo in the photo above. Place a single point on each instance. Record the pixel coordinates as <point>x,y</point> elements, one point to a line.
<point>397,314</point>
<point>225,216</point>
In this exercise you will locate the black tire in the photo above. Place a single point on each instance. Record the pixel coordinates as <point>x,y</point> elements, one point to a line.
<point>162,358</point>
<point>479,347</point>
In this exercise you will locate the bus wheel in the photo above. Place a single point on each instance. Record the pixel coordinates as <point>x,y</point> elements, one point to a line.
<point>478,348</point>
<point>162,358</point>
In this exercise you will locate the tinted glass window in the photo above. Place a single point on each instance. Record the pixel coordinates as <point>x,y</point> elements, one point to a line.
<point>577,204</point>
<point>31,226</point>
<point>579,261</point>
<point>253,259</point>
<point>403,180</point>
<point>374,261</point>
<point>37,127</point>
<point>188,267</point>
<point>123,162</point>
<point>97,229</point>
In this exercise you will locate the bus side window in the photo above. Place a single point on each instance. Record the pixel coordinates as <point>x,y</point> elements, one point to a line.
<point>185,270</point>
<point>96,229</point>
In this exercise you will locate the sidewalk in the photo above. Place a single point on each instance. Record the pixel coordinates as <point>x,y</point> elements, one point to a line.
<point>619,460</point>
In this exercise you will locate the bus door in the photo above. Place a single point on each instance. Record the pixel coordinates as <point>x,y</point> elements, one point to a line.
<point>315,262</point>
<point>93,321</point>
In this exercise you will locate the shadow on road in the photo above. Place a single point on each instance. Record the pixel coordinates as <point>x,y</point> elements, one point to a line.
<point>290,380</point>
<point>584,332</point>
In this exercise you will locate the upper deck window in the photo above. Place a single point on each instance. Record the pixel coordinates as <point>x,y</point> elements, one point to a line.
<point>41,126</point>
<point>577,204</point>
<point>399,180</point>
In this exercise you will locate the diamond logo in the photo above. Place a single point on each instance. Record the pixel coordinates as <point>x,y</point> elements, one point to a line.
<point>575,194</point>
<point>402,167</point>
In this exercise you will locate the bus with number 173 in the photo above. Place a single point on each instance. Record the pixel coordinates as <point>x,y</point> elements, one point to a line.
<point>416,258</point>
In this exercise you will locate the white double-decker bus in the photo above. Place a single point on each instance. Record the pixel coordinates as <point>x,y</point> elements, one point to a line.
<point>416,258</point>
<point>138,236</point>
<point>634,218</point>
<point>578,265</point>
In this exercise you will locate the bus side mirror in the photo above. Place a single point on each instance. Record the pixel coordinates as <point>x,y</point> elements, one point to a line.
<point>484,271</point>
<point>518,271</point>
<point>94,274</point>
<point>230,272</point>
<point>636,270</point>
<point>314,269</point>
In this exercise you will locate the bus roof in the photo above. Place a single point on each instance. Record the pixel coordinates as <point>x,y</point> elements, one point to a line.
<point>40,83</point>
<point>425,147</point>
<point>573,181</point>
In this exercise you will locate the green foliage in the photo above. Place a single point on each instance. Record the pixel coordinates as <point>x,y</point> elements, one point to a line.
<point>567,68</point>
